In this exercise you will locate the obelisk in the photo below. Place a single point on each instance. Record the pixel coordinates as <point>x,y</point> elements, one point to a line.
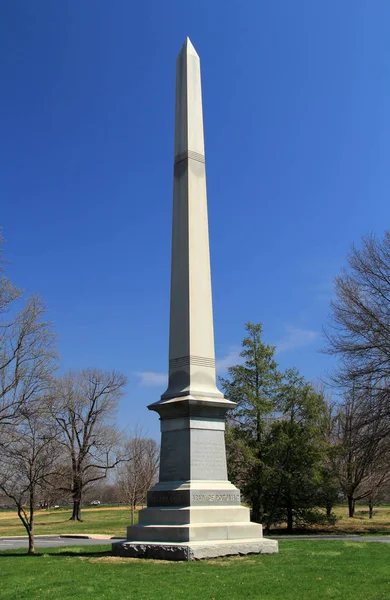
<point>191,339</point>
<point>193,511</point>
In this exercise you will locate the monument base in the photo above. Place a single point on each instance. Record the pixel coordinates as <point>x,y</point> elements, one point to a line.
<point>191,520</point>
<point>194,550</point>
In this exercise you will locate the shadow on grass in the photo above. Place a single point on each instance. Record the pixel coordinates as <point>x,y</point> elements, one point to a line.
<point>340,531</point>
<point>68,551</point>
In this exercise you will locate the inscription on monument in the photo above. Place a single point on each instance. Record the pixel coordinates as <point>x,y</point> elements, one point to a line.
<point>174,465</point>
<point>193,498</point>
<point>223,498</point>
<point>208,460</point>
<point>167,498</point>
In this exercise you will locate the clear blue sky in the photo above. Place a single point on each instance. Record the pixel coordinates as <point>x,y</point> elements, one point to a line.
<point>296,103</point>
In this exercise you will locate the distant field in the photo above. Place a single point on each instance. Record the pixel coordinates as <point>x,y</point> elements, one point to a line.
<point>108,520</point>
<point>303,570</point>
<point>360,523</point>
<point>113,520</point>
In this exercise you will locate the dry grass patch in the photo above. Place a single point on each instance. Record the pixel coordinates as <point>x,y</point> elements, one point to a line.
<point>7,515</point>
<point>129,559</point>
<point>359,524</point>
<point>228,560</point>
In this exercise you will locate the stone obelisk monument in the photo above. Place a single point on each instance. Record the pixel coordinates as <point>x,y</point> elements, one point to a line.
<point>193,511</point>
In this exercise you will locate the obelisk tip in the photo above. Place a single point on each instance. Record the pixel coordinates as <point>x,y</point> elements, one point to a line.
<point>188,48</point>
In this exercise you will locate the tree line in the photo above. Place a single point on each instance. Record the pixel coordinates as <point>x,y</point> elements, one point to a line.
<point>58,434</point>
<point>294,451</point>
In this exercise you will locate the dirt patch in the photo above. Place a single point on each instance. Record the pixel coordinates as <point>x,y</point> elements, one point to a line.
<point>226,561</point>
<point>329,553</point>
<point>124,559</point>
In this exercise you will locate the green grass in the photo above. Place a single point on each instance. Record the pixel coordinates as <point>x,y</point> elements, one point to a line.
<point>302,570</point>
<point>110,521</point>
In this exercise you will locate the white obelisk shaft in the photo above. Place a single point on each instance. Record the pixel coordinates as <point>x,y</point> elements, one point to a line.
<point>191,340</point>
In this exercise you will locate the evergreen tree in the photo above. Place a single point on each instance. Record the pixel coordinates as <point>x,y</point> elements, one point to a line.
<point>295,454</point>
<point>276,450</point>
<point>253,385</point>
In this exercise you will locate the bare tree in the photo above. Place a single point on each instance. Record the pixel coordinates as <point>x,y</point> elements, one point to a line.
<point>28,456</point>
<point>359,333</point>
<point>360,453</point>
<point>138,472</point>
<point>27,349</point>
<point>84,405</point>
<point>52,490</point>
<point>377,483</point>
<point>380,493</point>
<point>329,490</point>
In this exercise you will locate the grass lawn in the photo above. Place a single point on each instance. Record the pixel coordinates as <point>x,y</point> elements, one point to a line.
<point>302,570</point>
<point>113,520</point>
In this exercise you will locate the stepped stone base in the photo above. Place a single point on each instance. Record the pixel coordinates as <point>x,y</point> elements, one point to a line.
<point>212,524</point>
<point>194,533</point>
<point>194,550</point>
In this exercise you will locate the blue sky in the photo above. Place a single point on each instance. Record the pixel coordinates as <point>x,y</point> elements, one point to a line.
<point>297,130</point>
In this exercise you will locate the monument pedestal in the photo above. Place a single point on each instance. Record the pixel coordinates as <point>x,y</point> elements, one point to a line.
<point>193,511</point>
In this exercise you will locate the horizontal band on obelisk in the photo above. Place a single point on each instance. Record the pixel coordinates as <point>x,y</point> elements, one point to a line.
<point>189,154</point>
<point>186,361</point>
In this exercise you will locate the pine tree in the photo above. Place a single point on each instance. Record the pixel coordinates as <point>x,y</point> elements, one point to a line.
<point>294,454</point>
<point>253,385</point>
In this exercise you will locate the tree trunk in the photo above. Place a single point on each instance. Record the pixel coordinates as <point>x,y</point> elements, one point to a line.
<point>76,514</point>
<point>76,495</point>
<point>276,504</point>
<point>29,527</point>
<point>132,514</point>
<point>31,545</point>
<point>31,548</point>
<point>257,501</point>
<point>370,509</point>
<point>257,509</point>
<point>351,506</point>
<point>289,517</point>
<point>329,510</point>
<point>256,495</point>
